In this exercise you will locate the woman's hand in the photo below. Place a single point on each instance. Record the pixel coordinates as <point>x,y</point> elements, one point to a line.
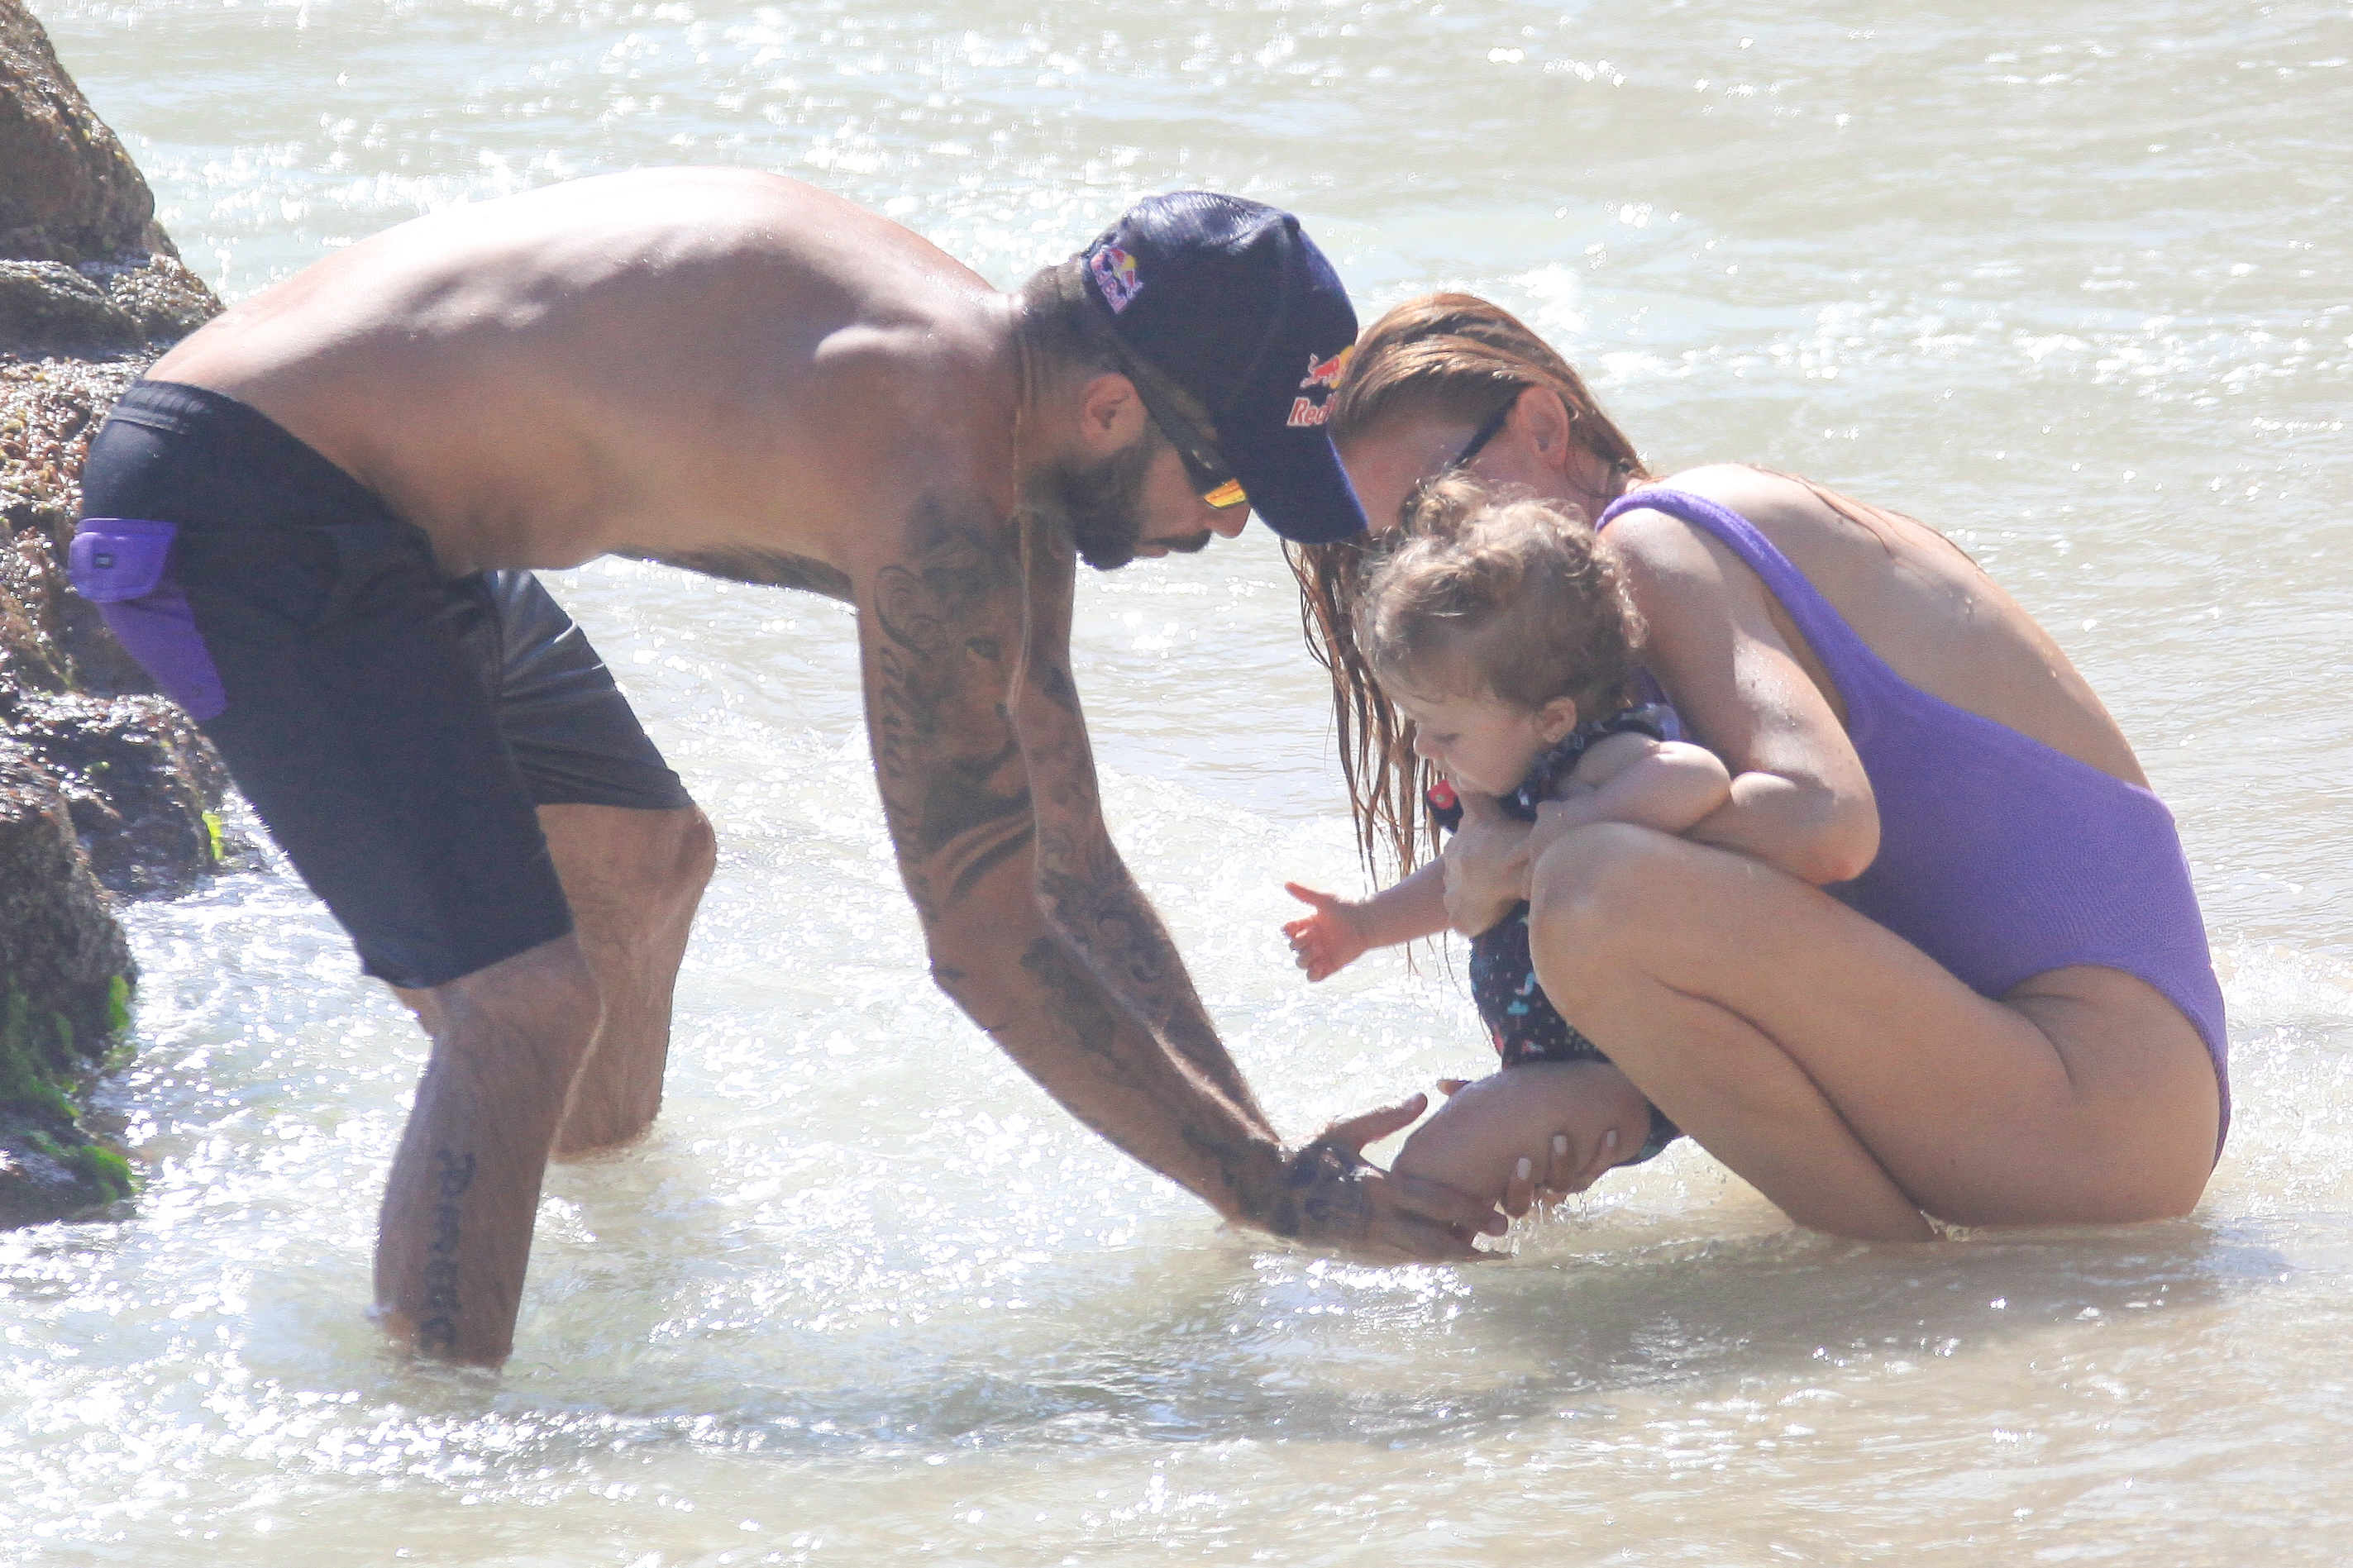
<point>1555,820</point>
<point>1486,866</point>
<point>1554,1170</point>
<point>1331,939</point>
<point>1530,1133</point>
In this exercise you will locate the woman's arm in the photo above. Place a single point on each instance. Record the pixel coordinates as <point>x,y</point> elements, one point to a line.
<point>1798,799</point>
<point>1666,786</point>
<point>1486,863</point>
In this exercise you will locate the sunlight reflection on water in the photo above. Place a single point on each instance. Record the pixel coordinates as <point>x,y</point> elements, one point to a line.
<point>2050,278</point>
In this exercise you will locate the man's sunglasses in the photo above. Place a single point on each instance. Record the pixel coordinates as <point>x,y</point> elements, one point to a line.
<point>1211,475</point>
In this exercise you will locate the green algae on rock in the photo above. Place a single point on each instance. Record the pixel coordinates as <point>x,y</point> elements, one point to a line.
<point>65,986</point>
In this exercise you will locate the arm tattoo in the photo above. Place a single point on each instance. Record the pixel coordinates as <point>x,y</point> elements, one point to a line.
<point>1107,917</point>
<point>1098,1008</point>
<point>1081,1005</point>
<point>768,568</point>
<point>1086,888</point>
<point>946,622</point>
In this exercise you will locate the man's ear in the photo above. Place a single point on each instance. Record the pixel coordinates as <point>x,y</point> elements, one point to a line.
<point>1555,720</point>
<point>1110,414</point>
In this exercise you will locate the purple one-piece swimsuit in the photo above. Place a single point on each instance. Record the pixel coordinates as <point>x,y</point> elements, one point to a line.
<point>1998,857</point>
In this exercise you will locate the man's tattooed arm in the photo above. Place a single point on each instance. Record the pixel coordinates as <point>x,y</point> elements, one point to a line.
<point>1109,1025</point>
<point>1088,893</point>
<point>941,628</point>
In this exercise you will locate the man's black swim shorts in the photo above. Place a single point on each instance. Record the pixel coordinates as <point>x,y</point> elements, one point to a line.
<point>394,727</point>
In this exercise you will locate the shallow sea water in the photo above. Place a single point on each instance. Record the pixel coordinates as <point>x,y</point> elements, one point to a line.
<point>2065,279</point>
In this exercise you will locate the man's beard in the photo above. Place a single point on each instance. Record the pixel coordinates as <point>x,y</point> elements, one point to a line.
<point>1104,506</point>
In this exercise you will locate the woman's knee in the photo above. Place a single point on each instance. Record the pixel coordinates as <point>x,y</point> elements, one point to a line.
<point>1591,899</point>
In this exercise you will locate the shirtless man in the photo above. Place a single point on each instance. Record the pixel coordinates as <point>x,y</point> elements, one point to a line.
<point>314,523</point>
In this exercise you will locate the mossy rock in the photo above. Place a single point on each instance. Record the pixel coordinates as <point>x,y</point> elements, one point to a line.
<point>102,785</point>
<point>51,1166</point>
<point>64,992</point>
<point>47,1174</point>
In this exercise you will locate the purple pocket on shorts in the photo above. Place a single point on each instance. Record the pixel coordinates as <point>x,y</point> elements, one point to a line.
<point>122,565</point>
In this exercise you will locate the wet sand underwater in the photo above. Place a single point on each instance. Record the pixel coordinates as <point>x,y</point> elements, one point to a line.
<point>2067,281</point>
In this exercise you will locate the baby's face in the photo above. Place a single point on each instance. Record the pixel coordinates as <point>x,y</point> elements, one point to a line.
<point>1479,740</point>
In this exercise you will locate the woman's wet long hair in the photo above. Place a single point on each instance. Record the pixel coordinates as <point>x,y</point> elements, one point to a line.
<point>1447,356</point>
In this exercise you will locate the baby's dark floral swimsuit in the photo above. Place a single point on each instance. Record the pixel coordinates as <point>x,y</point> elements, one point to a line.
<point>1522,1022</point>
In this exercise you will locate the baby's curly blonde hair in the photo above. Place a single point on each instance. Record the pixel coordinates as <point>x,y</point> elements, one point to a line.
<point>1515,591</point>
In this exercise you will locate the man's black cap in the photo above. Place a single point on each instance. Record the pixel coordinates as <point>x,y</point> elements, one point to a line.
<point>1231,301</point>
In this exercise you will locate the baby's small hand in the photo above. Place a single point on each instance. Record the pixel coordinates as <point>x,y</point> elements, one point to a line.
<point>1331,939</point>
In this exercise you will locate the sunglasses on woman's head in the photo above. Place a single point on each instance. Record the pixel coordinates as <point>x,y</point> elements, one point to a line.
<point>1489,428</point>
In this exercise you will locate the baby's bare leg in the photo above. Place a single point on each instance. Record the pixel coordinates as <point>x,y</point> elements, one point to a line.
<point>1476,1142</point>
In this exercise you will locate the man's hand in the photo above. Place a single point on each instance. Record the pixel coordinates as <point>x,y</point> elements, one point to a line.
<point>1329,1194</point>
<point>1331,939</point>
<point>1486,866</point>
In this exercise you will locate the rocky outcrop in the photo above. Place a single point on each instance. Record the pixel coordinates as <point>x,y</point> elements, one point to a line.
<point>105,790</point>
<point>123,300</point>
<point>84,268</point>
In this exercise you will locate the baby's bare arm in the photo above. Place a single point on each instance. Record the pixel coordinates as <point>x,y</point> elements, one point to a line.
<point>1339,932</point>
<point>1669,785</point>
<point>1478,1137</point>
<point>1413,907</point>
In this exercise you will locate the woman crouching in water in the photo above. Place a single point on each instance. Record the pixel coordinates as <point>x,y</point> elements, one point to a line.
<point>1932,951</point>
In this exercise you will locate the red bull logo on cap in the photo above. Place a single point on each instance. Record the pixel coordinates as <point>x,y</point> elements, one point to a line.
<point>1115,277</point>
<point>1326,372</point>
<point>1323,375</point>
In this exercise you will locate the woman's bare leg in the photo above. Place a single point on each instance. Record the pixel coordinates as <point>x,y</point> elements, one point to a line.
<point>633,879</point>
<point>1846,1074</point>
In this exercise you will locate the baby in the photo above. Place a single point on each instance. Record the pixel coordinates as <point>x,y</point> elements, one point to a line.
<point>1503,633</point>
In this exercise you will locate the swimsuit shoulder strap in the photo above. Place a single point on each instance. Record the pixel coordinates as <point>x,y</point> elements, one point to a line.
<point>1845,655</point>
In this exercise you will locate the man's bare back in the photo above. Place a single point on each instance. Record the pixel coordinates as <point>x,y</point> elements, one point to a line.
<point>316,495</point>
<point>665,363</point>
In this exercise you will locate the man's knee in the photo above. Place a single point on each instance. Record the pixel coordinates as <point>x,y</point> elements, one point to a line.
<point>545,1004</point>
<point>620,860</point>
<point>698,852</point>
<point>680,856</point>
